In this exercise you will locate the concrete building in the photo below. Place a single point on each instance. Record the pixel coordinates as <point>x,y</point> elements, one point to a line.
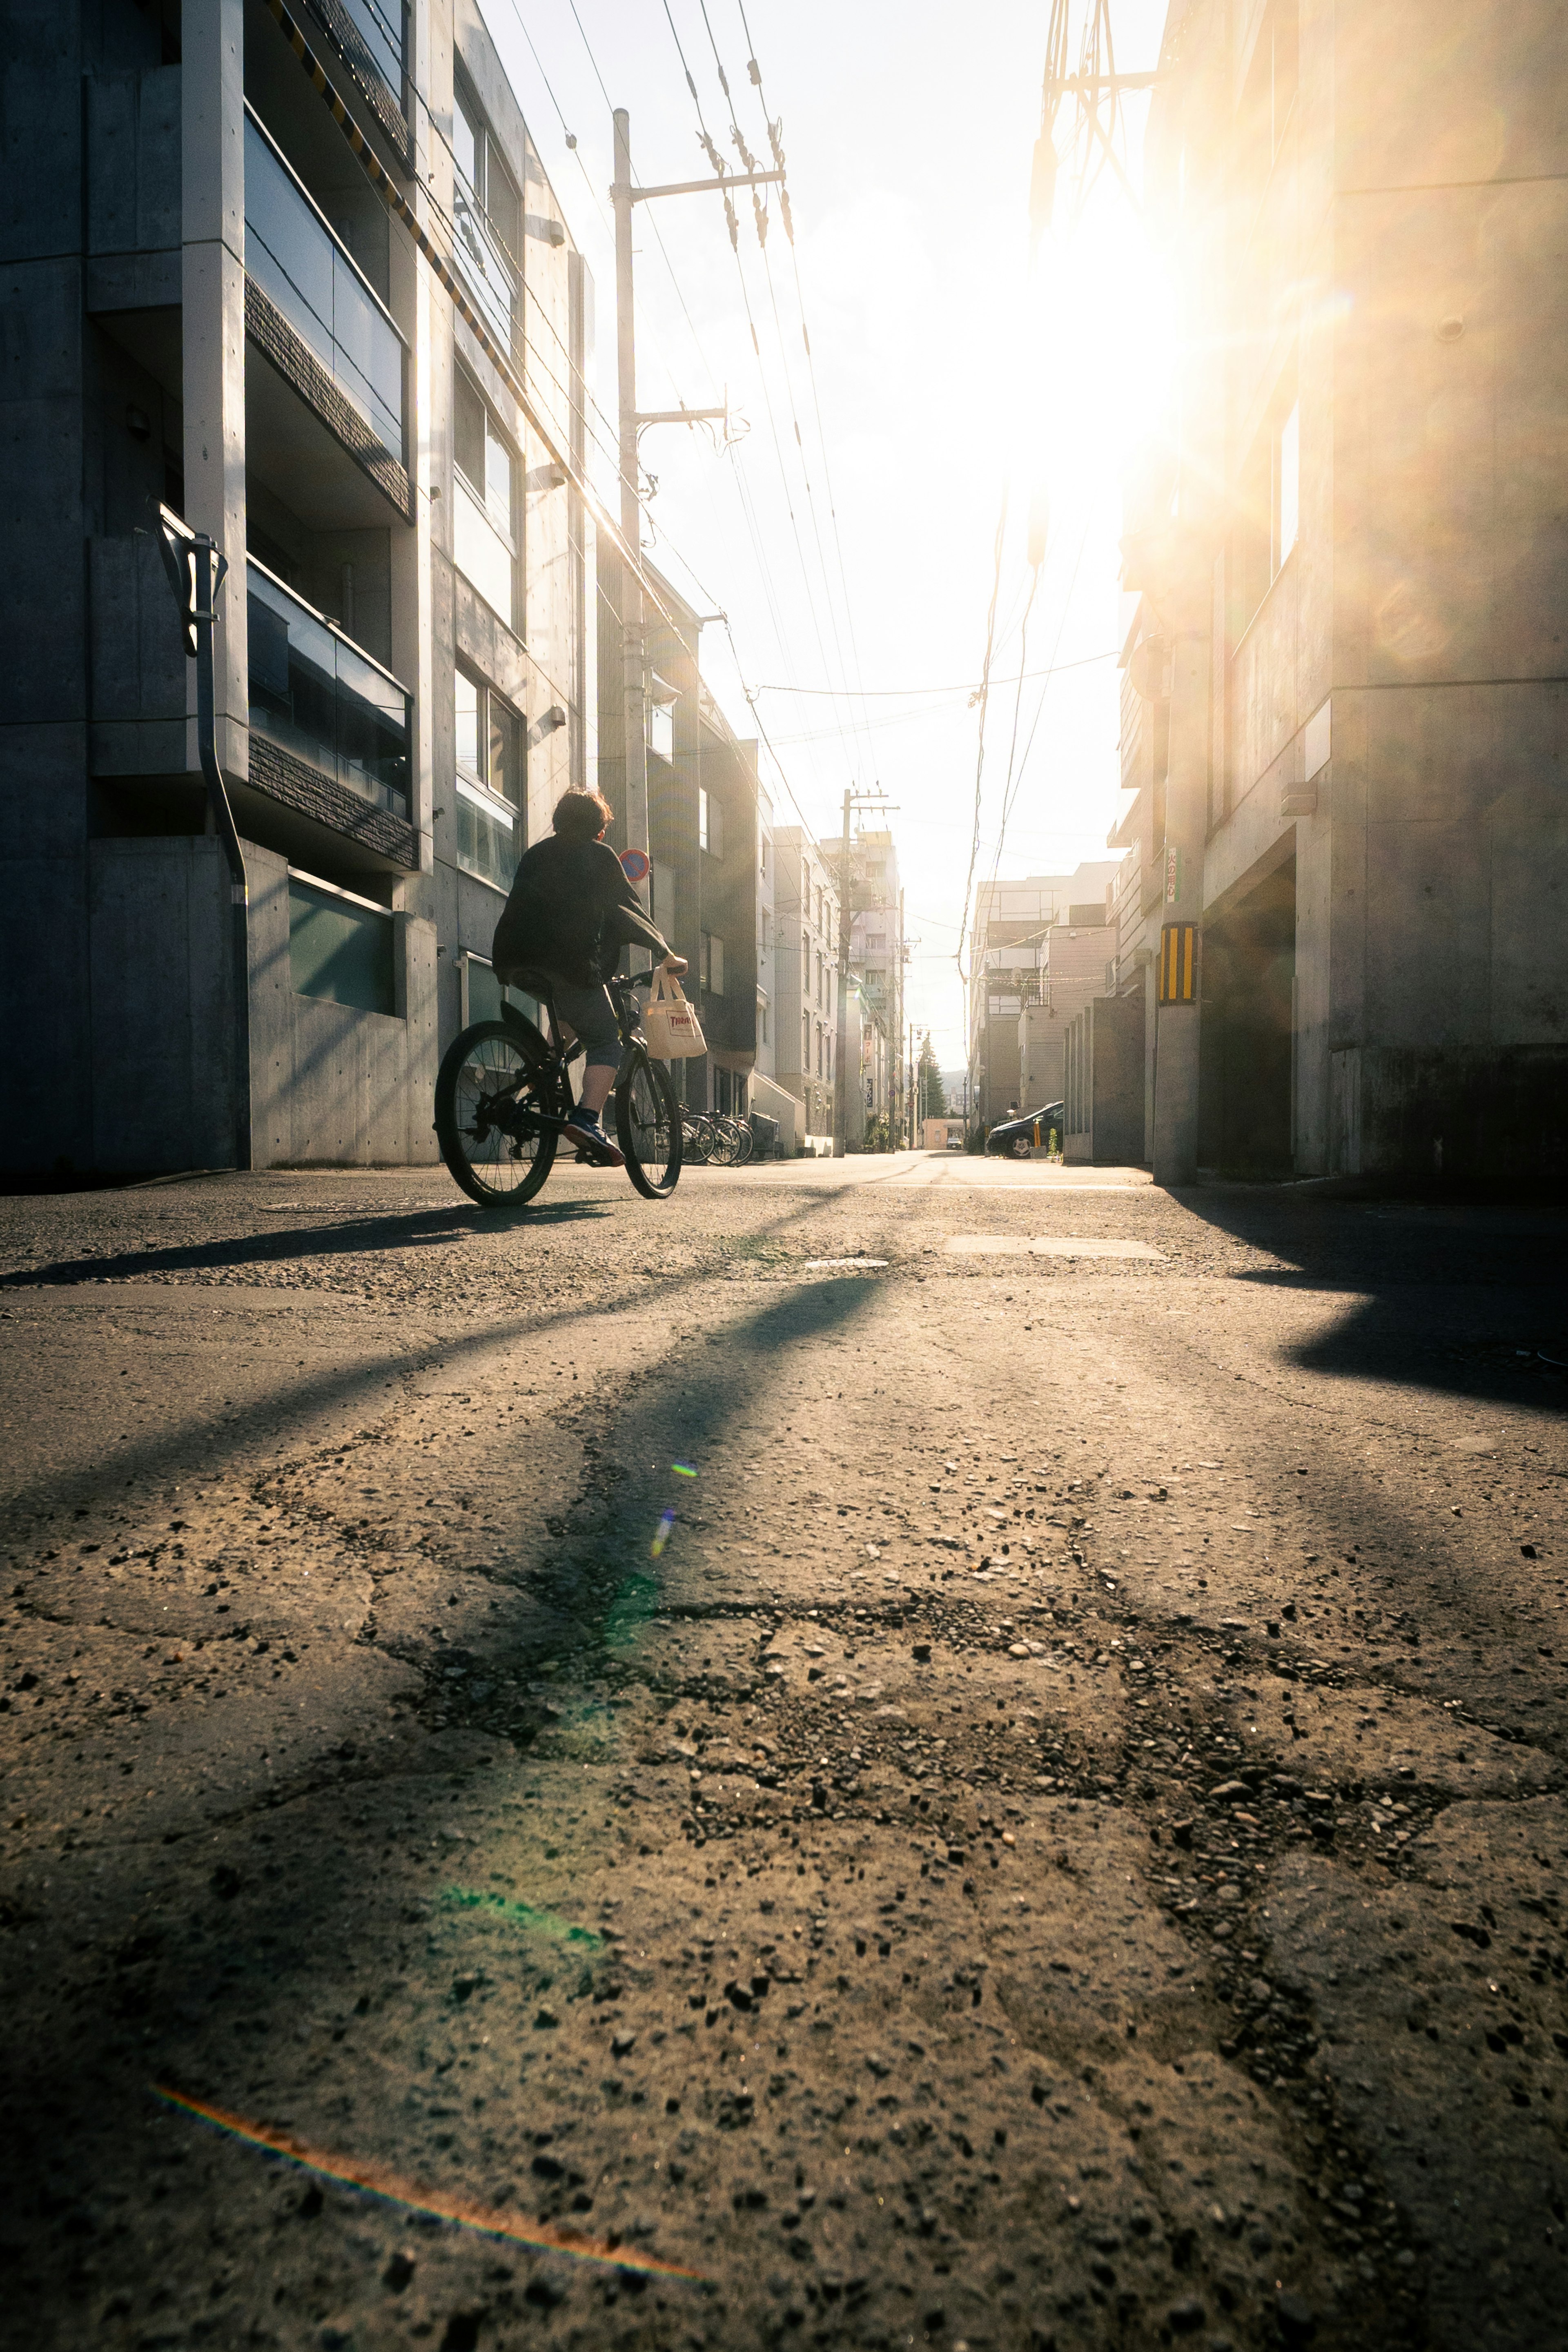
<point>214,311</point>
<point>703,801</point>
<point>1074,967</point>
<point>805,963</point>
<point>877,955</point>
<point>1009,952</point>
<point>1345,716</point>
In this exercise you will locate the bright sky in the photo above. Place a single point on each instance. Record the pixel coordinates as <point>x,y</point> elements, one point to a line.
<point>944,369</point>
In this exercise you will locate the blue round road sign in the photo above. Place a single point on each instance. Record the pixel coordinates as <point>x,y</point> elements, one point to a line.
<point>634,865</point>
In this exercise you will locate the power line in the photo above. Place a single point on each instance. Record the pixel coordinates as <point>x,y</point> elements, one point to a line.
<point>754,69</point>
<point>964,686</point>
<point>706,141</point>
<point>751,164</point>
<point>985,698</point>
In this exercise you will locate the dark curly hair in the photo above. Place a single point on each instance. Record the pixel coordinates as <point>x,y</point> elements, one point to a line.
<point>581,816</point>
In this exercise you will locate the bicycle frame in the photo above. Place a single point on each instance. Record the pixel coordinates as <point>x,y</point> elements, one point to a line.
<point>540,1049</point>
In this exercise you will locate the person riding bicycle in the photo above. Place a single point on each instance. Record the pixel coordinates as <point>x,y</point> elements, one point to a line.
<point>569,912</point>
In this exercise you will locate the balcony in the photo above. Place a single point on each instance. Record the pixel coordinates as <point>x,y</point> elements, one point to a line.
<point>379,24</point>
<point>313,282</point>
<point>320,700</point>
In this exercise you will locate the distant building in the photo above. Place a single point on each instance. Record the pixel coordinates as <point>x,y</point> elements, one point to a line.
<point>704,837</point>
<point>1009,956</point>
<point>878,954</point>
<point>806,965</point>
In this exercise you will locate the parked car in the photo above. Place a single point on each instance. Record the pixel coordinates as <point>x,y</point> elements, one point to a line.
<point>1017,1137</point>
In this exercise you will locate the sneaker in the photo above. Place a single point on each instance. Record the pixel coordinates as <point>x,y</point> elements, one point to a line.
<point>592,1142</point>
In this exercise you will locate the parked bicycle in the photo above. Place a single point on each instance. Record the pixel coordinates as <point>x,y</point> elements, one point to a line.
<point>504,1093</point>
<point>711,1139</point>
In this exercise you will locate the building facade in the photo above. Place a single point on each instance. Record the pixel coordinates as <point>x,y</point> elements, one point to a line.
<point>1344,715</point>
<point>1074,967</point>
<point>877,955</point>
<point>1008,943</point>
<point>219,316</point>
<point>806,964</point>
<point>704,840</point>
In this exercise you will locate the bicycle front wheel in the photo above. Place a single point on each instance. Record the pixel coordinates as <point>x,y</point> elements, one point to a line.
<point>488,1107</point>
<point>648,1124</point>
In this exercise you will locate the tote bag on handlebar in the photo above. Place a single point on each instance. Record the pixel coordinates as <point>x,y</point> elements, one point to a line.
<point>669,1023</point>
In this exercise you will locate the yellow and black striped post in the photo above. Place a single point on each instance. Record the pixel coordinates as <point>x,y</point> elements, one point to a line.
<point>1179,963</point>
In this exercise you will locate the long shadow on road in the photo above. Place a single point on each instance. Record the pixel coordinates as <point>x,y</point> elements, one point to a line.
<point>230,1958</point>
<point>1463,1302</point>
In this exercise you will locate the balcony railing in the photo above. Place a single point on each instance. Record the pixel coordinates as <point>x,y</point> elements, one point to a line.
<point>302,267</point>
<point>379,24</point>
<point>483,262</point>
<point>323,701</point>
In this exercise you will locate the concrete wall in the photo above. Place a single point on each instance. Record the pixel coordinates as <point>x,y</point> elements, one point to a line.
<point>1390,711</point>
<point>161,948</point>
<point>1104,1084</point>
<point>331,1083</point>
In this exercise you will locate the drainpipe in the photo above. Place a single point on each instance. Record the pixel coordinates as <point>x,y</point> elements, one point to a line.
<point>196,573</point>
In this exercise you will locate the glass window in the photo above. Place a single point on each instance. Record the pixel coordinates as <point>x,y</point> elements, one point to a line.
<point>484,542</point>
<point>1288,480</point>
<point>467,140</point>
<point>489,782</point>
<point>489,216</point>
<point>339,947</point>
<point>662,730</point>
<point>470,757</point>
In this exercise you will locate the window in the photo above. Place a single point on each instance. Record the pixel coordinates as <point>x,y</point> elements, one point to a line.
<point>489,782</point>
<point>804,1044</point>
<point>712,964</point>
<point>710,824</point>
<point>340,946</point>
<point>661,701</point>
<point>762,1019</point>
<point>763,861</point>
<point>1287,484</point>
<point>489,216</point>
<point>484,537</point>
<point>1268,511</point>
<point>1272,83</point>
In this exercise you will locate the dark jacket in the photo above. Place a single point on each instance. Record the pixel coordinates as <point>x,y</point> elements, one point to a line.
<point>570,911</point>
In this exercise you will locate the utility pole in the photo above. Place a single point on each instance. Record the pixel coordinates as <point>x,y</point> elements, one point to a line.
<point>852,799</point>
<point>846,917</point>
<point>196,572</point>
<point>633,712</point>
<point>632,618</point>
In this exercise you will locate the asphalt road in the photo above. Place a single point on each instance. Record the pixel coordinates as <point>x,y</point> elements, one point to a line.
<point>905,1753</point>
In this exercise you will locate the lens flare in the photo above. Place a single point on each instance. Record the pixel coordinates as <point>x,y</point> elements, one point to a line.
<point>379,2180</point>
<point>521,1915</point>
<point>666,1521</point>
<point>683,1469</point>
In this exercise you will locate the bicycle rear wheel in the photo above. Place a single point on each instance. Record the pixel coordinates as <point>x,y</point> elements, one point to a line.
<point>489,1096</point>
<point>725,1148</point>
<point>648,1124</point>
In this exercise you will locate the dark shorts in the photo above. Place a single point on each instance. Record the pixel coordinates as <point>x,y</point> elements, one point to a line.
<point>586,1011</point>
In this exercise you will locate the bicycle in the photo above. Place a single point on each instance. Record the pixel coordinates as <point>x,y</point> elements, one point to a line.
<point>503,1095</point>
